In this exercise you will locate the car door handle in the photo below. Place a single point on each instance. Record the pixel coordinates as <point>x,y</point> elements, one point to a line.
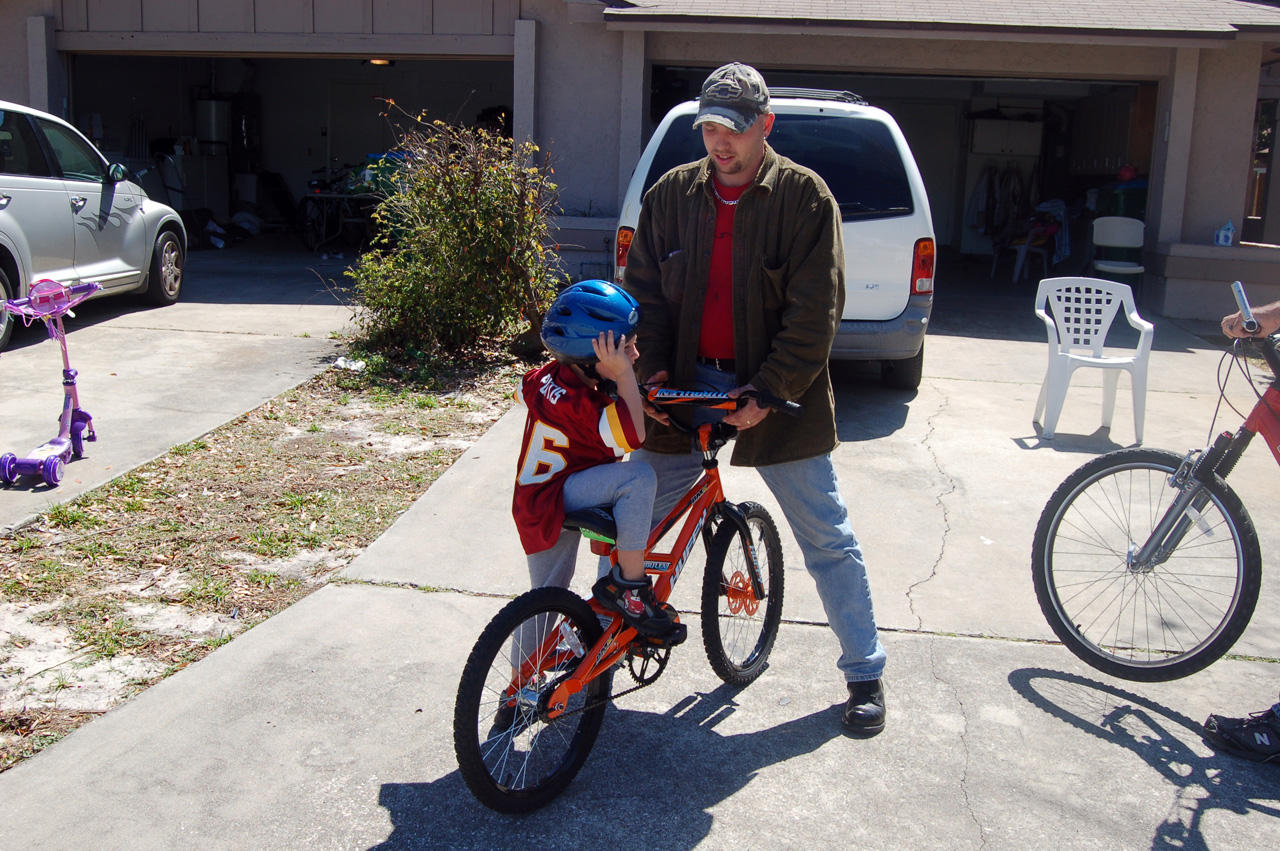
<point>78,202</point>
<point>4,200</point>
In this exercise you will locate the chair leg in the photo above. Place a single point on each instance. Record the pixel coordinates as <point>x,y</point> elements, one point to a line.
<point>1139,376</point>
<point>1054,392</point>
<point>1110,378</point>
<point>1040,400</point>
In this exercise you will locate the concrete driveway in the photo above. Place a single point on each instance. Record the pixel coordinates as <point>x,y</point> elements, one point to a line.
<point>329,726</point>
<point>253,321</point>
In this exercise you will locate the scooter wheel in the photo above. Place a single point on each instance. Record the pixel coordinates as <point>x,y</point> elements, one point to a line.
<point>51,471</point>
<point>7,462</point>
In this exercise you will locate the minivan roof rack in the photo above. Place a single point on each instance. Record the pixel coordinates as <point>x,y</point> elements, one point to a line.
<point>817,94</point>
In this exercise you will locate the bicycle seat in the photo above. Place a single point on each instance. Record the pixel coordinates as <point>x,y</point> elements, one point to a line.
<point>598,521</point>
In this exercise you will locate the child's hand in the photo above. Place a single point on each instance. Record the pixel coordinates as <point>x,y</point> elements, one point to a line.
<point>615,356</point>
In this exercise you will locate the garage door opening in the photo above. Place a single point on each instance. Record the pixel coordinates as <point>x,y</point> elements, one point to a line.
<point>993,150</point>
<point>232,133</point>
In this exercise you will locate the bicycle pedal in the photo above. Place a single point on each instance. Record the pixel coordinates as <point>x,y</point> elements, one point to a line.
<point>671,639</point>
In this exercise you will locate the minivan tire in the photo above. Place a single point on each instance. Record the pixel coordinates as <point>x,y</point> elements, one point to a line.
<point>903,374</point>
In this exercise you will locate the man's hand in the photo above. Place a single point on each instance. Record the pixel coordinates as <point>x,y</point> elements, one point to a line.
<point>1268,317</point>
<point>656,380</point>
<point>748,415</point>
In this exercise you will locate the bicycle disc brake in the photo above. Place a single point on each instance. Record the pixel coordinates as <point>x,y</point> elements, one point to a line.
<point>646,663</point>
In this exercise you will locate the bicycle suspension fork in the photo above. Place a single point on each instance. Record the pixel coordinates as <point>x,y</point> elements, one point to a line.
<point>1191,479</point>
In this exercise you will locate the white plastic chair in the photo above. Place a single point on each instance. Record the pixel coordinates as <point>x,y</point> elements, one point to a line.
<point>1083,309</point>
<point>1118,232</point>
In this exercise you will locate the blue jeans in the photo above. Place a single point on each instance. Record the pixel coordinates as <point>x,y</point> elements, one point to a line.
<point>809,495</point>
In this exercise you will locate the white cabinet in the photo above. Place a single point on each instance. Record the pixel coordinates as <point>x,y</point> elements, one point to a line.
<point>1006,138</point>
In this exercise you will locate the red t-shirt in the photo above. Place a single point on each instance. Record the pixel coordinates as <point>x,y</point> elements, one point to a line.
<point>716,337</point>
<point>569,427</point>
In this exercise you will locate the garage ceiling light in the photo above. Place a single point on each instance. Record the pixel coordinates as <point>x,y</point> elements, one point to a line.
<point>381,61</point>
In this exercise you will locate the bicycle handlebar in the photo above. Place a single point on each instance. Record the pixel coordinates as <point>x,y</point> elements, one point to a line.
<point>1266,346</point>
<point>1242,301</point>
<point>668,398</point>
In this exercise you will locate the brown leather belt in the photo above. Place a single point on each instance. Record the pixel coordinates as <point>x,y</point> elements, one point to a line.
<point>722,364</point>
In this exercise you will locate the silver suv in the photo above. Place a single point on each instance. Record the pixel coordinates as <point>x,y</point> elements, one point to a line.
<point>68,214</point>
<point>888,231</point>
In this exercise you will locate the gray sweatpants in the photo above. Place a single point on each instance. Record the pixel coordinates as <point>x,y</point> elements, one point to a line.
<point>628,488</point>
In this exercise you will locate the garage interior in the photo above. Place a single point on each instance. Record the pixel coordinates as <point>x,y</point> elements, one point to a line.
<point>229,135</point>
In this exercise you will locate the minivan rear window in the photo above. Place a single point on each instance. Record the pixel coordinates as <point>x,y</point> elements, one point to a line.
<point>857,157</point>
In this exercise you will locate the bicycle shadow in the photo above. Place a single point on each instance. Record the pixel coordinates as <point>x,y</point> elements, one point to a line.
<point>1142,725</point>
<point>647,772</point>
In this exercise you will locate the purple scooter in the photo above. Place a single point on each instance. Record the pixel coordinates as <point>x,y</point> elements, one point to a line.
<point>49,301</point>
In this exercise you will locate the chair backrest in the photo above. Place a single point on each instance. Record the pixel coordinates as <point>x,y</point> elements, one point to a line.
<point>1118,232</point>
<point>1083,309</point>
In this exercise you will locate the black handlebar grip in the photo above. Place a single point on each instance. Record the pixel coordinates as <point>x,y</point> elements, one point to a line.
<point>768,400</point>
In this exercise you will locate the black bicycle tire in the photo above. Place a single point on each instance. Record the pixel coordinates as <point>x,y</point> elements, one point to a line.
<point>583,727</point>
<point>713,581</point>
<point>1237,612</point>
<point>312,224</point>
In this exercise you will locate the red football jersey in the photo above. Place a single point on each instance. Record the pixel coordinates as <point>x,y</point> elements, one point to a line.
<point>569,427</point>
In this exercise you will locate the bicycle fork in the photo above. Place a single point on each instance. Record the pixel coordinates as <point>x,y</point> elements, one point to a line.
<point>1191,479</point>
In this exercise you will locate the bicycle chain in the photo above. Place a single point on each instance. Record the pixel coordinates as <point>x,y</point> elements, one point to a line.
<point>614,696</point>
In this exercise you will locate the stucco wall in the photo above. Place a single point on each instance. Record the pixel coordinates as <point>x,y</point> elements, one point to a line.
<point>14,76</point>
<point>1221,143</point>
<point>578,95</point>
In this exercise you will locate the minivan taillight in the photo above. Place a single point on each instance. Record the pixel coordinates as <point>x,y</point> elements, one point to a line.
<point>922,267</point>
<point>625,235</point>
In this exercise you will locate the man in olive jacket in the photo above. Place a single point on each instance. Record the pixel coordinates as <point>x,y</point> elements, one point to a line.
<point>738,265</point>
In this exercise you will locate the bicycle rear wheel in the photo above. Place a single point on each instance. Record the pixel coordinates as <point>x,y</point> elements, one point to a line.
<point>738,628</point>
<point>512,757</point>
<point>1151,624</point>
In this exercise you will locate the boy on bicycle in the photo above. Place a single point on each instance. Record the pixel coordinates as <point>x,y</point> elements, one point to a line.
<point>585,414</point>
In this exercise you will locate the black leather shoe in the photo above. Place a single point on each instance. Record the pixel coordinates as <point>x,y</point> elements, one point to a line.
<point>864,713</point>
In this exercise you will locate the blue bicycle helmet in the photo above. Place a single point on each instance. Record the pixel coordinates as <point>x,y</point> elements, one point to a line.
<point>581,313</point>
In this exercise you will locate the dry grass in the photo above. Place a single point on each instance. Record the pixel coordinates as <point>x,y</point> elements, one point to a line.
<point>110,593</point>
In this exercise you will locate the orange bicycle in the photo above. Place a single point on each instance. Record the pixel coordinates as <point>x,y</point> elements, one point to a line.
<point>534,689</point>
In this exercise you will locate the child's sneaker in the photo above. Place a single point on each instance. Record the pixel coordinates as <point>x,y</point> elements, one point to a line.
<point>1256,737</point>
<point>634,601</point>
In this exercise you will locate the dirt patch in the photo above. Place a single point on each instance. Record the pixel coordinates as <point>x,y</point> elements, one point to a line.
<point>110,593</point>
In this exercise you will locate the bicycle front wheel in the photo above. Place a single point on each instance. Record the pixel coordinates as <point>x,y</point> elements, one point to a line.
<point>512,757</point>
<point>1143,623</point>
<point>739,627</point>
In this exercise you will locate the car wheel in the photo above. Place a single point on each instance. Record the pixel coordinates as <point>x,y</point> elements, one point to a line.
<point>164,281</point>
<point>903,374</point>
<point>6,318</point>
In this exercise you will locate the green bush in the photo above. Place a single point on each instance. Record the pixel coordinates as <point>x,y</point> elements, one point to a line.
<point>463,250</point>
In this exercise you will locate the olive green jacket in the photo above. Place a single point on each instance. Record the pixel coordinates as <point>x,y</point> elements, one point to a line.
<point>788,295</point>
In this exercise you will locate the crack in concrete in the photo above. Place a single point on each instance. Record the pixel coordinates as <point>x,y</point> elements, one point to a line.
<point>964,741</point>
<point>941,503</point>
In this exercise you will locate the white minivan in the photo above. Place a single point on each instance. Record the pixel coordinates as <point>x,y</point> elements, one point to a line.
<point>888,231</point>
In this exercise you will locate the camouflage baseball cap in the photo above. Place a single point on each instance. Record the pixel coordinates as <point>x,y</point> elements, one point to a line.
<point>734,95</point>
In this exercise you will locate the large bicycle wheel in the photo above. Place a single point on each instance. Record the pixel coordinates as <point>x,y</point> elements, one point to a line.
<point>738,628</point>
<point>512,757</point>
<point>1154,623</point>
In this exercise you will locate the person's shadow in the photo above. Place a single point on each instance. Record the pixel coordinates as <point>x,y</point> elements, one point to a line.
<point>1127,720</point>
<point>650,781</point>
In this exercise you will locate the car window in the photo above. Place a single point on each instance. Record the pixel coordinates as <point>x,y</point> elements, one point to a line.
<point>857,157</point>
<point>76,157</point>
<point>19,150</point>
